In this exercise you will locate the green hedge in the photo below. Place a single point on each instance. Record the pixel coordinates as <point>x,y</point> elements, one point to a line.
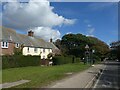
<point>58,60</point>
<point>19,61</point>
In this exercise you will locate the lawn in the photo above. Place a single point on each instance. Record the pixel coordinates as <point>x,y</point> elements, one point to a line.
<point>40,76</point>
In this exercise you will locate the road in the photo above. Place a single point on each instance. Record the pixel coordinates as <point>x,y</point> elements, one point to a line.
<point>110,77</point>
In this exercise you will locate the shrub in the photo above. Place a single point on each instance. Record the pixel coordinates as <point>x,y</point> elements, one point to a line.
<point>77,60</point>
<point>19,61</point>
<point>17,51</point>
<point>58,60</point>
<point>49,56</point>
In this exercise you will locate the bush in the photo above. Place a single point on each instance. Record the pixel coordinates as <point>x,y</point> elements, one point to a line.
<point>77,60</point>
<point>58,60</point>
<point>19,61</point>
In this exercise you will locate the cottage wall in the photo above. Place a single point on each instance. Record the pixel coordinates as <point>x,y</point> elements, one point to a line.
<point>45,54</point>
<point>9,50</point>
<point>40,52</point>
<point>31,51</point>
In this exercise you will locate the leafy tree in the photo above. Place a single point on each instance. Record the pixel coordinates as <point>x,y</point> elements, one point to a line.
<point>74,44</point>
<point>58,43</point>
<point>99,46</point>
<point>115,50</point>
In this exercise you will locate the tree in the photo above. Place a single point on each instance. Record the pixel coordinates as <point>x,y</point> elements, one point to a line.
<point>115,50</point>
<point>100,47</point>
<point>49,56</point>
<point>74,44</point>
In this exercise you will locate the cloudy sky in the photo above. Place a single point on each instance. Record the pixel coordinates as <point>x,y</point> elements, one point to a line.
<point>55,19</point>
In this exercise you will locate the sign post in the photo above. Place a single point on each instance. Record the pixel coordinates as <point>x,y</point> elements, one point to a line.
<point>87,53</point>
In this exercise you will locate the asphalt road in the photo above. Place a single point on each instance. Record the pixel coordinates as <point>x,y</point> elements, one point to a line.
<point>110,77</point>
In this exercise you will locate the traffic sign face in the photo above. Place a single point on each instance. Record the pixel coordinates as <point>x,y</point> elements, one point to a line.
<point>86,46</point>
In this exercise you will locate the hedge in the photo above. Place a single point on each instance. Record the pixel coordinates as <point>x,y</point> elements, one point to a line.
<point>19,61</point>
<point>58,60</point>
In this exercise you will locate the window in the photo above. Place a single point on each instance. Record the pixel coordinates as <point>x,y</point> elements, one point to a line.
<point>43,57</point>
<point>48,50</point>
<point>43,50</point>
<point>4,44</point>
<point>17,45</point>
<point>28,49</point>
<point>35,50</point>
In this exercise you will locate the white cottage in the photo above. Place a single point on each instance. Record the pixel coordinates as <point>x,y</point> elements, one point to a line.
<point>30,45</point>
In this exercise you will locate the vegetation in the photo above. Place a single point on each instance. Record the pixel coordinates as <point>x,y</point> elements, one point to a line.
<point>49,56</point>
<point>18,51</point>
<point>58,60</point>
<point>74,44</point>
<point>115,50</point>
<point>19,61</point>
<point>40,76</point>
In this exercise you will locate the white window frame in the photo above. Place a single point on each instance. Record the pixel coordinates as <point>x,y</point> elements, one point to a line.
<point>43,56</point>
<point>4,44</point>
<point>49,50</point>
<point>17,45</point>
<point>28,49</point>
<point>35,50</point>
<point>43,50</point>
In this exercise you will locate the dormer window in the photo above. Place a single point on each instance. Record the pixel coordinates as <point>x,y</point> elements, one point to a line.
<point>17,45</point>
<point>4,44</point>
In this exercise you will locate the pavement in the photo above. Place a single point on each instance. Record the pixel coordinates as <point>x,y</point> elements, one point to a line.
<point>110,77</point>
<point>79,80</point>
<point>12,84</point>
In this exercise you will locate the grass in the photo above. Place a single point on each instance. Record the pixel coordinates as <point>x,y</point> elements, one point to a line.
<point>40,76</point>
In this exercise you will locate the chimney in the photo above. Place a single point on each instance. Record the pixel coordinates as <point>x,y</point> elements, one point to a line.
<point>51,40</point>
<point>30,33</point>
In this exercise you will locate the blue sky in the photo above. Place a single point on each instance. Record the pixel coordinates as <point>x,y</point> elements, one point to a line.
<point>102,17</point>
<point>99,19</point>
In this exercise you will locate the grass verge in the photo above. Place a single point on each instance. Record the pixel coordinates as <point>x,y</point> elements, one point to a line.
<point>40,76</point>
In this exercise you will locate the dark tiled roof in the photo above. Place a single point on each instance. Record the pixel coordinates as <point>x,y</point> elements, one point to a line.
<point>8,34</point>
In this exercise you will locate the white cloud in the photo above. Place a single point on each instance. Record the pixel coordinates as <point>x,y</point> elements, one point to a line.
<point>89,25</point>
<point>32,14</point>
<point>68,32</point>
<point>108,43</point>
<point>90,31</point>
<point>36,14</point>
<point>86,21</point>
<point>46,33</point>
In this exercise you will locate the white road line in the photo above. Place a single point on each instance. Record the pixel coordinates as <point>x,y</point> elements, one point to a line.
<point>89,83</point>
<point>99,78</point>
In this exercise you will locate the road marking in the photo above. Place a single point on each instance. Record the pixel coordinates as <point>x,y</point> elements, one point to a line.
<point>90,82</point>
<point>99,78</point>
